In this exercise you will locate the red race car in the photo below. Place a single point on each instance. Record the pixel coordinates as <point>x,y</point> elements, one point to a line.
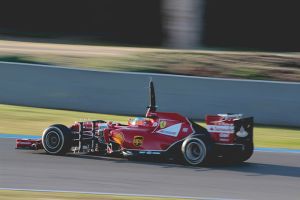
<point>163,134</point>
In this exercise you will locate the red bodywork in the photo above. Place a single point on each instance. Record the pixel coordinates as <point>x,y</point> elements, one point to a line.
<point>29,144</point>
<point>158,132</point>
<point>221,128</point>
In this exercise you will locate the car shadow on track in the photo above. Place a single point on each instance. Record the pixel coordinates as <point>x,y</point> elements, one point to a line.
<point>259,169</point>
<point>248,168</point>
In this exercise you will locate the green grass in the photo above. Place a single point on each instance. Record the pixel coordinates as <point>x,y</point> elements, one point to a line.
<point>28,195</point>
<point>32,121</point>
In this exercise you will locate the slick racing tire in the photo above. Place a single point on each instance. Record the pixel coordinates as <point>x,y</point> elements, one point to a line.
<point>57,139</point>
<point>194,151</point>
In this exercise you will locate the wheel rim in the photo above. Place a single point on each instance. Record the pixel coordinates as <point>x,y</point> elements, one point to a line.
<point>52,140</point>
<point>195,152</point>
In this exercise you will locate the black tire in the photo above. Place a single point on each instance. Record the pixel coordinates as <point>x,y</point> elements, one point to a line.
<point>57,139</point>
<point>194,151</point>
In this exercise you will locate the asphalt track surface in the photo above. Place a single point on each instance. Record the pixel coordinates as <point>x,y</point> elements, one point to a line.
<point>265,176</point>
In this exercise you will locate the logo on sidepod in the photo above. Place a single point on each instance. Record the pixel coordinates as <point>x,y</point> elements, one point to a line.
<point>171,130</point>
<point>138,141</point>
<point>162,124</point>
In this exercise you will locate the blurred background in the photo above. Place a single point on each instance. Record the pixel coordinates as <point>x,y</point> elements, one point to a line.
<point>249,39</point>
<point>234,24</point>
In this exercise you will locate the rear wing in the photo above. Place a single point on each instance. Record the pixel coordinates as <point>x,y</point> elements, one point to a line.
<point>229,128</point>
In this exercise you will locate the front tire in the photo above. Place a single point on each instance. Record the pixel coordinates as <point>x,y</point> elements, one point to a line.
<point>194,151</point>
<point>57,139</point>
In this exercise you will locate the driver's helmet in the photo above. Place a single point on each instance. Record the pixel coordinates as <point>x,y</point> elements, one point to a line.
<point>141,121</point>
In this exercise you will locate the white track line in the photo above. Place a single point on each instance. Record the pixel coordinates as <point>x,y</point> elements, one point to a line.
<point>117,194</point>
<point>148,74</point>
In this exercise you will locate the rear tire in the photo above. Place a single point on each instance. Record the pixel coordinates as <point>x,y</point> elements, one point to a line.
<point>57,139</point>
<point>194,151</point>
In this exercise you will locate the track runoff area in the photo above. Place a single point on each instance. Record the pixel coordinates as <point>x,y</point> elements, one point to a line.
<point>266,175</point>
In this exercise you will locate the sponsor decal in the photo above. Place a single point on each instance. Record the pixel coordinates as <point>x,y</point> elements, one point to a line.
<point>156,153</point>
<point>171,130</point>
<point>118,137</point>
<point>224,135</point>
<point>149,152</point>
<point>231,116</point>
<point>138,141</point>
<point>242,132</point>
<point>155,124</point>
<point>224,140</point>
<point>162,124</point>
<point>220,129</point>
<point>185,130</point>
<point>24,143</point>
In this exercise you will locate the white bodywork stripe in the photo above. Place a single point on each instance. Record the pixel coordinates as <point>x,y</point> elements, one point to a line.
<point>171,130</point>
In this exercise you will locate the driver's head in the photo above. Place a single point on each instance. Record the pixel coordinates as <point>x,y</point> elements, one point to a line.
<point>141,121</point>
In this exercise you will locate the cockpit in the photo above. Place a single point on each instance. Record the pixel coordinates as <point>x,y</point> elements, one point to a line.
<point>142,121</point>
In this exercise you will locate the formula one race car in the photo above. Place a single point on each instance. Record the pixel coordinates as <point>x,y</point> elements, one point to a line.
<point>163,134</point>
